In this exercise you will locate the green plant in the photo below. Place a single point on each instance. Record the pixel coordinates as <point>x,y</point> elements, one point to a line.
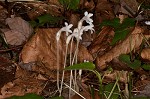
<point>70,4</point>
<point>134,64</point>
<point>71,35</point>
<point>121,29</point>
<point>109,91</point>
<point>45,19</point>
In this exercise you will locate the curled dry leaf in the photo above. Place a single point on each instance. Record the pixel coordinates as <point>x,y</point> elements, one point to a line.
<point>98,45</point>
<point>14,37</point>
<point>42,49</point>
<point>20,31</point>
<point>132,42</point>
<point>145,54</point>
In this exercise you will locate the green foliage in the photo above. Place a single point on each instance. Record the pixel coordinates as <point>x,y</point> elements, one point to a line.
<point>126,58</point>
<point>108,88</point>
<point>85,66</point>
<point>46,18</point>
<point>112,23</point>
<point>27,96</point>
<point>145,6</point>
<point>146,66</point>
<point>121,29</point>
<point>135,64</point>
<point>119,35</point>
<point>70,4</point>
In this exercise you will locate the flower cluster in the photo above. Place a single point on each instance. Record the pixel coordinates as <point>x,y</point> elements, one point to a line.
<point>77,32</point>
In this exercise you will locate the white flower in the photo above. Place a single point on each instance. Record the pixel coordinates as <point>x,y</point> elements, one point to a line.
<point>75,34</point>
<point>87,28</point>
<point>65,29</point>
<point>87,17</point>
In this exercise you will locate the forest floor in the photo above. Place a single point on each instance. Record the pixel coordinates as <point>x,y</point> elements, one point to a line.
<point>117,42</point>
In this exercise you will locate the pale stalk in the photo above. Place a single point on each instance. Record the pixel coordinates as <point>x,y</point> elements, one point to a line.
<point>75,91</point>
<point>62,80</point>
<point>75,59</point>
<point>57,65</point>
<point>71,75</point>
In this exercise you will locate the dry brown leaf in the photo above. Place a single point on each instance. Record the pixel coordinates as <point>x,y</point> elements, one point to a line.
<point>145,54</point>
<point>98,46</point>
<point>14,37</point>
<point>42,49</point>
<point>132,42</point>
<point>129,7</point>
<point>40,8</point>
<point>20,31</point>
<point>103,11</point>
<point>20,87</point>
<point>25,82</point>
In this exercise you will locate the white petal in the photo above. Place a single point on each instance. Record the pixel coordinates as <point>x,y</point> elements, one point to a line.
<point>66,23</point>
<point>90,14</point>
<point>147,22</point>
<point>85,13</point>
<point>58,35</point>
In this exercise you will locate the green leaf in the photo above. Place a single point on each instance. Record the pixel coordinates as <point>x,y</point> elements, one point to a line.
<point>145,6</point>
<point>119,35</point>
<point>113,23</point>
<point>146,66</point>
<point>74,4</point>
<point>27,96</point>
<point>127,22</point>
<point>70,4</point>
<point>108,89</point>
<point>47,18</point>
<point>33,23</point>
<point>64,2</point>
<point>126,58</point>
<point>84,66</point>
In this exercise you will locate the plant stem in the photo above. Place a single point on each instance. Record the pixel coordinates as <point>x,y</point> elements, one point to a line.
<point>58,65</point>
<point>113,88</point>
<point>62,80</point>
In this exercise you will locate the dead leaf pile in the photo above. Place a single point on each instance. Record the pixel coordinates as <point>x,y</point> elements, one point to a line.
<point>37,61</point>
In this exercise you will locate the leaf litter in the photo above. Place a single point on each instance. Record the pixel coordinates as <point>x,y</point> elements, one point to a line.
<point>36,64</point>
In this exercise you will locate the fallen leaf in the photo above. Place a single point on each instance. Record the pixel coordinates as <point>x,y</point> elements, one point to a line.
<point>41,49</point>
<point>19,32</point>
<point>98,46</point>
<point>132,42</point>
<point>145,54</point>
